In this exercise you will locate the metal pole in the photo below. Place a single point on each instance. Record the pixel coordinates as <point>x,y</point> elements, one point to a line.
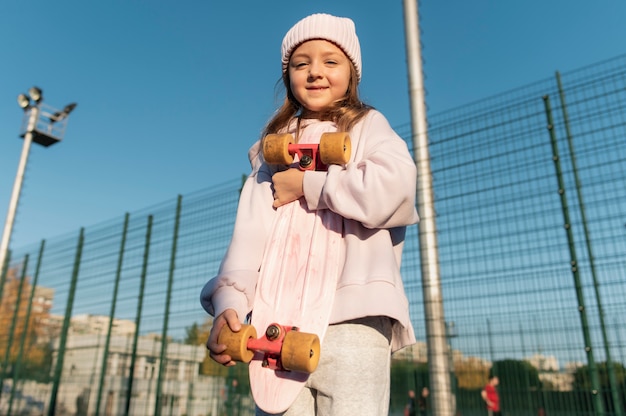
<point>163,360</point>
<point>58,369</point>
<point>4,271</point>
<point>142,286</point>
<point>429,254</point>
<point>617,403</point>
<point>451,333</point>
<point>529,399</point>
<point>3,275</point>
<point>17,185</point>
<point>105,355</point>
<point>598,402</point>
<point>621,350</point>
<point>490,339</point>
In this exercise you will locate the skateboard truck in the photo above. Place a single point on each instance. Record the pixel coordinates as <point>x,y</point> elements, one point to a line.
<point>333,149</point>
<point>308,156</point>
<point>284,348</point>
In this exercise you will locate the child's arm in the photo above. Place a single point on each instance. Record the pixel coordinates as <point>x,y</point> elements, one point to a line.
<point>483,394</point>
<point>377,188</point>
<point>234,285</point>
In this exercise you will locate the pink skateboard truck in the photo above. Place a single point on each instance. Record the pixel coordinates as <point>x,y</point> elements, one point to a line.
<point>282,348</point>
<point>333,149</point>
<point>308,156</point>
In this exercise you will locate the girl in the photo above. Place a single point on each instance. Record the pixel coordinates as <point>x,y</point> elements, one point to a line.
<point>374,196</point>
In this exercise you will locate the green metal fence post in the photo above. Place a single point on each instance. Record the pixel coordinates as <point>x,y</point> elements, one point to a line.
<point>526,373</point>
<point>450,334</point>
<point>168,299</point>
<point>58,370</point>
<point>105,355</point>
<point>18,361</point>
<point>617,405</point>
<point>544,399</point>
<point>621,353</point>
<point>18,299</point>
<point>489,338</point>
<point>142,286</point>
<point>3,275</point>
<point>593,371</point>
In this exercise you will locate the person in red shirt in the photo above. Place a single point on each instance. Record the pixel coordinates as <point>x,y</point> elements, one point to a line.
<point>491,397</point>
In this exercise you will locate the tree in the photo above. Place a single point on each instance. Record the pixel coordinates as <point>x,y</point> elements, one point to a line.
<point>193,334</point>
<point>516,374</point>
<point>471,373</point>
<point>36,356</point>
<point>582,381</point>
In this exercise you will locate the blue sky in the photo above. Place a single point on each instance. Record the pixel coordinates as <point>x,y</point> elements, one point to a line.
<point>172,94</point>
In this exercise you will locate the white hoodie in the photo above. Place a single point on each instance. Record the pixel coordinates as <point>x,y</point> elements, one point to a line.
<point>374,193</point>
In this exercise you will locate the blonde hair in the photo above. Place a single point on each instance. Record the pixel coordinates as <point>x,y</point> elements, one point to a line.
<point>345,113</point>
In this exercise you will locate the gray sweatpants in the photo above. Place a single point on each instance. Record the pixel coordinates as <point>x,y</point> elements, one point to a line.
<point>353,375</point>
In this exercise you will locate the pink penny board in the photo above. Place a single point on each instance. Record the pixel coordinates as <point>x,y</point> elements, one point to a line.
<point>296,287</point>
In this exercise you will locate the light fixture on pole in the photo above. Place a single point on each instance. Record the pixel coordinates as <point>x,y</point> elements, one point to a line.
<point>43,125</point>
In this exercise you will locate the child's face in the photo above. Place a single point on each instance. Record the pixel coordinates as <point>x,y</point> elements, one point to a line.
<point>319,74</point>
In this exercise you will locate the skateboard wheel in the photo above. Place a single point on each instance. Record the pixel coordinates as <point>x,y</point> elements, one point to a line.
<point>237,342</point>
<point>276,149</point>
<point>300,352</point>
<point>335,148</point>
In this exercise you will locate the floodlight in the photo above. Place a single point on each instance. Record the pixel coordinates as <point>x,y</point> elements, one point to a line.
<point>69,108</point>
<point>23,101</point>
<point>60,115</point>
<point>35,94</point>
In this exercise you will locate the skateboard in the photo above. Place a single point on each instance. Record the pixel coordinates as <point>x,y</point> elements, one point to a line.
<point>296,286</point>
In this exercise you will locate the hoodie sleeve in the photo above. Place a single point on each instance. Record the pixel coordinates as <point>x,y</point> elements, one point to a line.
<point>377,187</point>
<point>234,285</point>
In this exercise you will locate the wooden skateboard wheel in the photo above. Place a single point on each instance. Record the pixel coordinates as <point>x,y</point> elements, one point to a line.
<point>237,342</point>
<point>276,149</point>
<point>335,148</point>
<point>300,352</point>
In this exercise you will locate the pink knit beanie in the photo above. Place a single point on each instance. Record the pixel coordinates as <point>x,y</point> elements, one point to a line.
<point>338,30</point>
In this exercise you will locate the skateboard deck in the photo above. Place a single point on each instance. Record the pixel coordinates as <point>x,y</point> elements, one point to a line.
<point>294,293</point>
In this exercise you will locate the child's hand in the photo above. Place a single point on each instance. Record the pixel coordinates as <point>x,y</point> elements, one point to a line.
<point>287,186</point>
<point>228,317</point>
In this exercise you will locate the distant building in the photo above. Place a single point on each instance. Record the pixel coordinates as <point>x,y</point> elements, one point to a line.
<point>183,390</point>
<point>550,373</point>
<point>42,300</point>
<point>544,363</point>
<point>98,324</point>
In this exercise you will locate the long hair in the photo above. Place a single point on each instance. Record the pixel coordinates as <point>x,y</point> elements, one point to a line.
<point>345,113</point>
